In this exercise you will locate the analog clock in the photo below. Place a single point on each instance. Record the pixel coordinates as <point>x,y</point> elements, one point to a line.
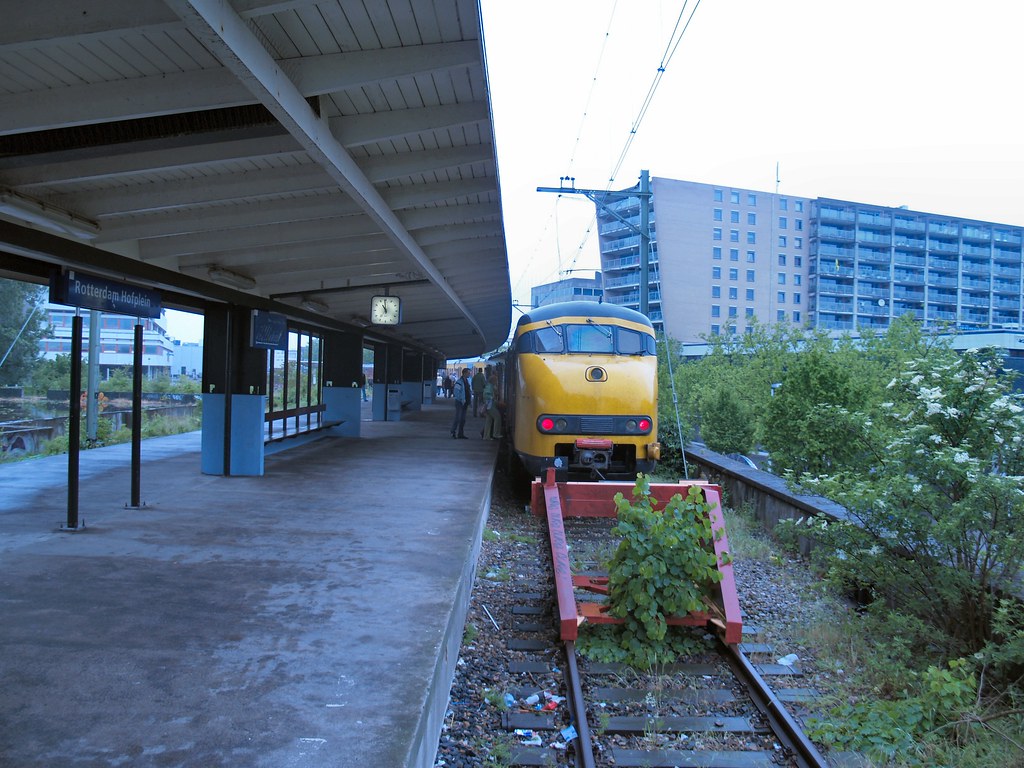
<point>385,310</point>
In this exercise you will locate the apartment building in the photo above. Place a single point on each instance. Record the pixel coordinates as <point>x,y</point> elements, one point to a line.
<point>721,256</point>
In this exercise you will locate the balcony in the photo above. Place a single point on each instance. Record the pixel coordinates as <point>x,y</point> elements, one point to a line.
<point>829,213</point>
<point>937,228</point>
<point>1006,272</point>
<point>621,244</point>
<point>976,268</point>
<point>831,305</point>
<point>934,278</point>
<point>899,310</point>
<point>834,324</point>
<point>907,276</point>
<point>1003,303</point>
<point>974,250</point>
<point>875,219</point>
<point>916,243</point>
<point>1007,236</point>
<point>901,292</point>
<point>869,308</point>
<point>943,246</point>
<point>868,273</point>
<point>935,313</point>
<point>972,282</point>
<point>970,316</point>
<point>971,300</point>
<point>835,251</point>
<point>873,238</point>
<point>937,263</point>
<point>1003,286</point>
<point>1006,254</point>
<point>826,268</point>
<point>835,288</point>
<point>872,255</point>
<point>908,259</point>
<point>867,289</point>
<point>834,233</point>
<point>905,224</point>
<point>982,234</point>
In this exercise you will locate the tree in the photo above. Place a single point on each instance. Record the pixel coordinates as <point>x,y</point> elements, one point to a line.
<point>937,510</point>
<point>22,325</point>
<point>727,425</point>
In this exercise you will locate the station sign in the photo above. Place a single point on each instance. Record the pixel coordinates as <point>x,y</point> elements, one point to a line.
<point>269,330</point>
<point>77,289</point>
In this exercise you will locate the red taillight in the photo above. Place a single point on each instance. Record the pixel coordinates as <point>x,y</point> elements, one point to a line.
<point>547,424</point>
<point>644,425</point>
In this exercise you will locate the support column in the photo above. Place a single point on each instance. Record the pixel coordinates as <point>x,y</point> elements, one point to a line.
<point>234,396</point>
<point>343,379</point>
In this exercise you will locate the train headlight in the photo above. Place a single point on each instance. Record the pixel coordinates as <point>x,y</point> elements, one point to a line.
<point>631,425</point>
<point>561,424</point>
<point>547,424</point>
<point>645,425</point>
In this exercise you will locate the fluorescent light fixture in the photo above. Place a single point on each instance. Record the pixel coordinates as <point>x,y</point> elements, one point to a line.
<point>315,306</point>
<point>229,278</point>
<point>48,217</point>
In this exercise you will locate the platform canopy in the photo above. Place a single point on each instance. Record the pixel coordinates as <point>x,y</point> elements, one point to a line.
<point>311,152</point>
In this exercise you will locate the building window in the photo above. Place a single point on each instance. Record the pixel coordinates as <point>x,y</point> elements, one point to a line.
<point>750,276</point>
<point>733,292</point>
<point>717,214</point>
<point>782,259</point>
<point>715,329</point>
<point>734,254</point>
<point>750,312</point>
<point>782,278</point>
<point>716,310</point>
<point>751,219</point>
<point>718,195</point>
<point>783,222</point>
<point>716,252</point>
<point>797,279</point>
<point>716,233</point>
<point>781,297</point>
<point>798,225</point>
<point>750,294</point>
<point>782,241</point>
<point>751,238</point>
<point>716,273</point>
<point>796,298</point>
<point>798,261</point>
<point>732,312</point>
<point>798,242</point>
<point>734,217</point>
<point>783,203</point>
<point>781,315</point>
<point>796,316</point>
<point>734,235</point>
<point>798,206</point>
<point>751,199</point>
<point>734,197</point>
<point>734,274</point>
<point>716,291</point>
<point>751,257</point>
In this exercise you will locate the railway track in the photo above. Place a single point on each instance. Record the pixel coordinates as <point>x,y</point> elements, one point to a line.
<point>715,710</point>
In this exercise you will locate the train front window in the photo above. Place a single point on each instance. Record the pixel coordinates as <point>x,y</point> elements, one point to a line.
<point>631,342</point>
<point>549,340</point>
<point>591,338</point>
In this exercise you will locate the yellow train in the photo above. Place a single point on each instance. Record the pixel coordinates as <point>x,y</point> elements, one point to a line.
<point>582,391</point>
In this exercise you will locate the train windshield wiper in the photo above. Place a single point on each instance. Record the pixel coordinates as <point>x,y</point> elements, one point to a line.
<point>606,331</point>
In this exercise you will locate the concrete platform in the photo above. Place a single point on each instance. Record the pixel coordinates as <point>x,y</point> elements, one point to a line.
<point>310,617</point>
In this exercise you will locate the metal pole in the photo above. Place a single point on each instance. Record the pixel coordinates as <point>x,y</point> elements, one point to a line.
<point>74,420</point>
<point>137,416</point>
<point>645,242</point>
<point>92,402</point>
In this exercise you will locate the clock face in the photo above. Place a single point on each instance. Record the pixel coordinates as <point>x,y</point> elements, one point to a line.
<point>385,310</point>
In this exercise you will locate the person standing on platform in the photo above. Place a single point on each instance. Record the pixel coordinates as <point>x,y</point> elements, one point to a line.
<point>479,382</point>
<point>365,399</point>
<point>492,413</point>
<point>463,395</point>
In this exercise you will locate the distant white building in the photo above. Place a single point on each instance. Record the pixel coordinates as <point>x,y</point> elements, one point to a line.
<point>117,341</point>
<point>570,289</point>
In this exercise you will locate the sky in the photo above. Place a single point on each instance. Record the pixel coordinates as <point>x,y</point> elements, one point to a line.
<point>889,102</point>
